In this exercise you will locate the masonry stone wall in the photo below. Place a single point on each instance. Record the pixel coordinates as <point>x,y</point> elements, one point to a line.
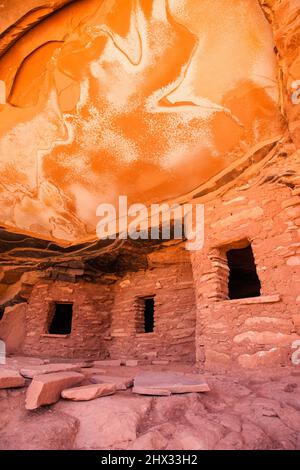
<point>105,316</point>
<point>259,331</point>
<point>169,279</point>
<point>194,319</point>
<point>90,324</point>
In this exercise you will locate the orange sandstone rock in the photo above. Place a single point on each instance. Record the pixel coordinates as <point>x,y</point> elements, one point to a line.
<point>10,379</point>
<point>46,389</point>
<point>89,392</point>
<point>33,371</point>
<point>149,99</point>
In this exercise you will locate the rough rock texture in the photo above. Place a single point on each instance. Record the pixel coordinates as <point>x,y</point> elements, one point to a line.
<point>121,383</point>
<point>244,410</point>
<point>93,371</point>
<point>44,430</point>
<point>13,328</point>
<point>92,107</point>
<point>247,176</point>
<point>108,363</point>
<point>265,327</point>
<point>16,362</point>
<point>91,307</point>
<point>110,308</point>
<point>48,369</point>
<point>169,279</point>
<point>10,378</point>
<point>46,389</point>
<point>284,18</point>
<point>171,382</point>
<point>109,421</point>
<point>78,73</point>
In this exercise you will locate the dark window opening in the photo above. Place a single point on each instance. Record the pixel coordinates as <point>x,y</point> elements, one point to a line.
<point>61,323</point>
<point>2,310</point>
<point>149,314</point>
<point>243,278</point>
<point>145,315</point>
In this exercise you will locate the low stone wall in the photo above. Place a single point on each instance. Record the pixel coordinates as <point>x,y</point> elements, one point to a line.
<point>90,325</point>
<point>105,316</point>
<point>170,280</point>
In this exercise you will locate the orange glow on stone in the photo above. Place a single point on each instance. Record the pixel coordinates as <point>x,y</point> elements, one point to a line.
<point>146,98</point>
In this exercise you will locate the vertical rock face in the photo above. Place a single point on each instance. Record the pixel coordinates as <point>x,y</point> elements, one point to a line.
<point>13,327</point>
<point>284,17</point>
<point>148,98</point>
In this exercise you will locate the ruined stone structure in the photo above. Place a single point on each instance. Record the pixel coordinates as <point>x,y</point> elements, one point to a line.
<point>194,317</point>
<point>234,303</point>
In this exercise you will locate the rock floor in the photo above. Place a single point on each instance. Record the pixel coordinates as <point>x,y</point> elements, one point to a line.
<point>243,410</point>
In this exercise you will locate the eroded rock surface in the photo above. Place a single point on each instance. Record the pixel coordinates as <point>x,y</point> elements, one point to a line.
<point>10,379</point>
<point>46,389</point>
<point>244,410</point>
<point>87,96</point>
<point>164,383</point>
<point>89,392</point>
<point>121,383</point>
<point>33,371</point>
<point>223,103</point>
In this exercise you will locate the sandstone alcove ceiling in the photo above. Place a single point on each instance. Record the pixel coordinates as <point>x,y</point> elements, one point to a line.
<point>148,98</point>
<point>162,101</point>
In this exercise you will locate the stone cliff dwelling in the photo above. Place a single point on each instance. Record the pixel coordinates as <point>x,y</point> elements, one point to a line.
<point>233,303</point>
<point>194,112</point>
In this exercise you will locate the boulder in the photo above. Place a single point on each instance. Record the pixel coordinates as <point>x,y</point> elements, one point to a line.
<point>46,389</point>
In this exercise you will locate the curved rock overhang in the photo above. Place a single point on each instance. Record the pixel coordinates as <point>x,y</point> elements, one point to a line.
<point>38,239</point>
<point>56,46</point>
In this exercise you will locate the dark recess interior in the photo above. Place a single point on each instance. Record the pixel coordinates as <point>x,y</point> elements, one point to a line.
<point>149,314</point>
<point>243,278</point>
<point>2,309</point>
<point>61,323</point>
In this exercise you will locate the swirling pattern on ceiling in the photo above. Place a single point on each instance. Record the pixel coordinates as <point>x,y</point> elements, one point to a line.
<point>148,98</point>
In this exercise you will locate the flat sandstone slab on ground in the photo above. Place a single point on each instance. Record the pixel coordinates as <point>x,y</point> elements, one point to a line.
<point>160,392</point>
<point>46,389</point>
<point>89,392</point>
<point>10,378</point>
<point>18,362</point>
<point>33,371</point>
<point>93,371</point>
<point>172,382</point>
